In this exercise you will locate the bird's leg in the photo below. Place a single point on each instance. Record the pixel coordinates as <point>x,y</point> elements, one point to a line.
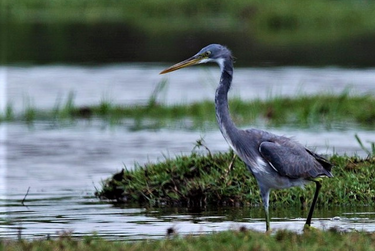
<point>308,220</point>
<point>265,193</point>
<point>267,212</point>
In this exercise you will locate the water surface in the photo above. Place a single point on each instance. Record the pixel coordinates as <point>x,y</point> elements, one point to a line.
<point>44,86</point>
<point>62,164</point>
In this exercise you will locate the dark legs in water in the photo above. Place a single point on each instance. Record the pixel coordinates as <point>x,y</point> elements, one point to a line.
<point>309,216</point>
<point>265,197</point>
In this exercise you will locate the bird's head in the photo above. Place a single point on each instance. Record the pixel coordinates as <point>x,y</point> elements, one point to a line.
<point>211,53</point>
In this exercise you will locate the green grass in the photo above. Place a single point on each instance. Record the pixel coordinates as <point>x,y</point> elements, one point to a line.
<point>227,240</point>
<point>303,111</point>
<point>223,179</point>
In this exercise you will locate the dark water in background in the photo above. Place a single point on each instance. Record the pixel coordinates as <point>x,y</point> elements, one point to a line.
<point>63,163</point>
<point>101,43</point>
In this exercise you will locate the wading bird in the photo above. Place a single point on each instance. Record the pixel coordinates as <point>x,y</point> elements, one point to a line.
<point>276,162</point>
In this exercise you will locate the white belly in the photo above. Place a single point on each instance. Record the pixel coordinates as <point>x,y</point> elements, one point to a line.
<point>270,178</point>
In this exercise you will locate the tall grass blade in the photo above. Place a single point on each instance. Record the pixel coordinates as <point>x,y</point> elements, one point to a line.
<point>363,147</point>
<point>160,87</point>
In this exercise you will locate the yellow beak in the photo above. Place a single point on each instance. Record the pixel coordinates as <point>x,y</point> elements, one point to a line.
<point>191,61</point>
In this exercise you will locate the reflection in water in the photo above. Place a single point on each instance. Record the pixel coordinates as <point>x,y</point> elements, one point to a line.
<point>62,164</point>
<point>98,42</point>
<point>50,214</point>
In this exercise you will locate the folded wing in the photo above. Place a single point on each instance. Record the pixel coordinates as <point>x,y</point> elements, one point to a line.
<point>291,159</point>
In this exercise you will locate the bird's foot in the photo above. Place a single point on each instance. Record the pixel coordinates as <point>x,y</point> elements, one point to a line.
<point>308,228</point>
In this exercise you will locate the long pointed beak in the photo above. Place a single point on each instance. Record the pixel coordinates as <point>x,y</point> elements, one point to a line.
<point>190,61</point>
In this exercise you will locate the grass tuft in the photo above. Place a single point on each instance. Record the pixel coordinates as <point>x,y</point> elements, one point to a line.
<point>223,179</point>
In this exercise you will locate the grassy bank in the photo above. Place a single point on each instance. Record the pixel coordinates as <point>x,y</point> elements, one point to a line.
<point>228,240</point>
<point>223,179</point>
<point>302,111</point>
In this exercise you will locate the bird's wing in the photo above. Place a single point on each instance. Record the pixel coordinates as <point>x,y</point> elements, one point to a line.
<point>293,160</point>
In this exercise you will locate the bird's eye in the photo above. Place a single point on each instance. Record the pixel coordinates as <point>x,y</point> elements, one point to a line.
<point>206,54</point>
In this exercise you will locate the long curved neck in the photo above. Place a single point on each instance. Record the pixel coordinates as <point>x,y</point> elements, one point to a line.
<point>224,120</point>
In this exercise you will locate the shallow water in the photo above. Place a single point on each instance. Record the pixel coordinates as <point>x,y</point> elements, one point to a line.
<point>46,214</point>
<point>62,164</point>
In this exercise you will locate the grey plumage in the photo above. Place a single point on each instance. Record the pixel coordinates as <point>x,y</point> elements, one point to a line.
<point>276,162</point>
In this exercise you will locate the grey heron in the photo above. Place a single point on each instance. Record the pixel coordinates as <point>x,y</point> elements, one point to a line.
<point>277,162</point>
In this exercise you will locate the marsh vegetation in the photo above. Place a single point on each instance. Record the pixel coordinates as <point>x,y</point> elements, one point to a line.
<point>324,110</point>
